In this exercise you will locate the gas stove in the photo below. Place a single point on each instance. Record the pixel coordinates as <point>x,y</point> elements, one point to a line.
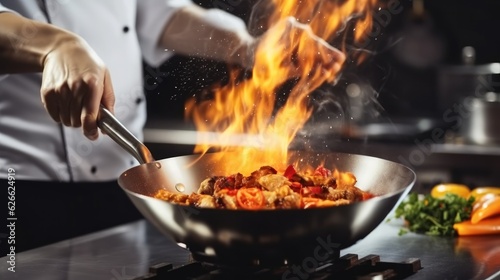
<point>139,251</point>
<point>347,267</point>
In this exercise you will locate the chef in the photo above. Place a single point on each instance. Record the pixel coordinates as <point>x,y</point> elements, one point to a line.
<point>61,59</point>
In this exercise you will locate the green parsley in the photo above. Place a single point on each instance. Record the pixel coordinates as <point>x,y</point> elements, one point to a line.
<point>434,216</point>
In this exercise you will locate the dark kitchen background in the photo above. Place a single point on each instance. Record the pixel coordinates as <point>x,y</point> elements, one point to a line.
<point>425,96</point>
<point>405,113</point>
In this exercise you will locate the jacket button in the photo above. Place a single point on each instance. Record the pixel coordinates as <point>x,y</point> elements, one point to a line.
<point>125,29</point>
<point>93,169</point>
<point>138,100</point>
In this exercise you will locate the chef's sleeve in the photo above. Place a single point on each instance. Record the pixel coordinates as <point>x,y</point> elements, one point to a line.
<point>152,17</point>
<point>4,9</point>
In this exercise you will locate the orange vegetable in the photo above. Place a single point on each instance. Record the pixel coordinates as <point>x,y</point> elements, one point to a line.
<point>441,190</point>
<point>486,226</point>
<point>481,191</point>
<point>486,208</point>
<point>478,203</point>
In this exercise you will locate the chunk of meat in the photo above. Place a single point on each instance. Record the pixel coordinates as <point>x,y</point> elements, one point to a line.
<point>344,179</point>
<point>229,201</point>
<point>202,200</point>
<point>229,182</point>
<point>270,198</point>
<point>264,170</point>
<point>350,194</point>
<point>291,201</point>
<point>311,202</point>
<point>172,197</point>
<point>272,182</point>
<point>253,181</point>
<point>207,186</point>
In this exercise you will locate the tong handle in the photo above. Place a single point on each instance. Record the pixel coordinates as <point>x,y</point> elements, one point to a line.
<point>122,136</point>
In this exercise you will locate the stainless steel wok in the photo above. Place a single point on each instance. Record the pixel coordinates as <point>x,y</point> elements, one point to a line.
<point>241,237</point>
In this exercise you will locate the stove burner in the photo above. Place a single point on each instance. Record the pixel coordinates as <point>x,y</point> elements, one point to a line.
<point>269,260</point>
<point>346,267</point>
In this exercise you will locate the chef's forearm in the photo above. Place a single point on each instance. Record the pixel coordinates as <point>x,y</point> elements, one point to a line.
<point>24,43</point>
<point>211,34</point>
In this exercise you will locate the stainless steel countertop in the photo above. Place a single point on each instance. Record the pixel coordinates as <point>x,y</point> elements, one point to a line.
<point>128,251</point>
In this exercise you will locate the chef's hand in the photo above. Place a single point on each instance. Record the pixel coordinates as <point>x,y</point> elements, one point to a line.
<point>75,82</point>
<point>302,53</point>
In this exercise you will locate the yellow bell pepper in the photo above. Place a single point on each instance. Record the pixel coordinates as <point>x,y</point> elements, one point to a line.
<point>441,190</point>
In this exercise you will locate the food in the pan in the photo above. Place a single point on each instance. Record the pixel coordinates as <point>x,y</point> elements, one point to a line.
<point>266,189</point>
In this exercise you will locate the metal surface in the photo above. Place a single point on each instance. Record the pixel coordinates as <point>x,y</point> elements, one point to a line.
<point>258,237</point>
<point>127,252</point>
<point>458,82</point>
<point>122,136</point>
<point>482,126</point>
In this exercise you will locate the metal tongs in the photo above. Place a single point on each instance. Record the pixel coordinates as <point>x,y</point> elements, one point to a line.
<point>110,125</point>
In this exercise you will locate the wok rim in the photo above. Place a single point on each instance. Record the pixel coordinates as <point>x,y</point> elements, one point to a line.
<point>270,237</point>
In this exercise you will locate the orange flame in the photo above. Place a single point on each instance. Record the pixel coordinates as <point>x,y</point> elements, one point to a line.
<point>293,50</point>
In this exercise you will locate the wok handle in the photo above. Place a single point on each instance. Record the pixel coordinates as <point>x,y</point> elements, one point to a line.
<point>122,136</point>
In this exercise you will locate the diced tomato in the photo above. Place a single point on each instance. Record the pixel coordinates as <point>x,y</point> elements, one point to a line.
<point>311,190</point>
<point>296,187</point>
<point>231,192</point>
<point>322,171</point>
<point>250,198</point>
<point>315,189</point>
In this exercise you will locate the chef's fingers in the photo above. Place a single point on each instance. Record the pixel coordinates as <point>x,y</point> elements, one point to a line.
<point>51,103</point>
<point>78,89</point>
<point>65,99</point>
<point>108,95</point>
<point>90,105</point>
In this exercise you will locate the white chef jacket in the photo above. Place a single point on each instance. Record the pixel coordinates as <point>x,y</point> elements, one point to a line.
<point>120,31</point>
